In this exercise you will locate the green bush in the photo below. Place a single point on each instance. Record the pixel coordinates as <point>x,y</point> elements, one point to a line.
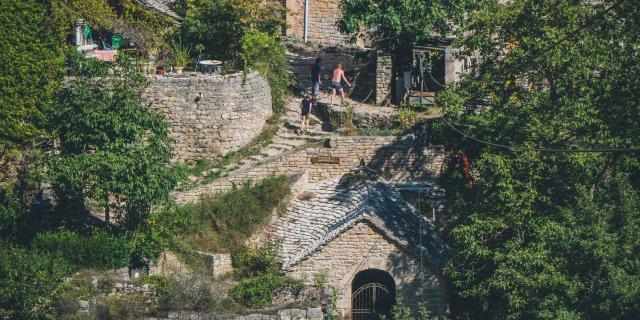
<point>30,281</point>
<point>263,52</point>
<point>258,292</point>
<point>117,307</point>
<point>219,25</point>
<point>100,250</point>
<point>187,293</point>
<point>249,263</point>
<point>406,117</point>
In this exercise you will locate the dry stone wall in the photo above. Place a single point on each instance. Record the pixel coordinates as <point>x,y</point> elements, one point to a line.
<point>211,115</point>
<point>384,77</point>
<point>361,247</point>
<point>395,158</point>
<point>283,314</point>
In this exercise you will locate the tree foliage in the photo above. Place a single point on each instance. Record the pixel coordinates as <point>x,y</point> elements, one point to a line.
<point>395,26</point>
<point>263,52</point>
<point>112,148</point>
<point>29,76</point>
<point>65,13</point>
<point>30,280</point>
<point>30,70</point>
<point>219,25</point>
<point>547,235</point>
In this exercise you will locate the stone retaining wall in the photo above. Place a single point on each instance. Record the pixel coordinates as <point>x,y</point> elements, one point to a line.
<point>211,115</point>
<point>361,119</point>
<point>395,158</point>
<point>284,314</point>
<point>168,264</point>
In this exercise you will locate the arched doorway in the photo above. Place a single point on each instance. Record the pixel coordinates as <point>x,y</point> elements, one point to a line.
<point>373,294</point>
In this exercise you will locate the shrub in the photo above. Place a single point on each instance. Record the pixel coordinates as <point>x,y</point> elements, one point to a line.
<point>30,280</point>
<point>406,117</point>
<point>184,293</point>
<point>258,292</point>
<point>100,250</point>
<point>117,307</point>
<point>248,263</point>
<point>218,26</point>
<point>262,52</point>
<point>320,278</point>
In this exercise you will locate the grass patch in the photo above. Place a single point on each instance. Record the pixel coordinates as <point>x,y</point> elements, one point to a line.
<point>215,170</point>
<point>222,222</point>
<point>379,132</point>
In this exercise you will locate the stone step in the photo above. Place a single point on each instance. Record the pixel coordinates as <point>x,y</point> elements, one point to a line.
<point>280,146</point>
<point>290,142</point>
<point>273,152</point>
<point>302,137</point>
<point>258,157</point>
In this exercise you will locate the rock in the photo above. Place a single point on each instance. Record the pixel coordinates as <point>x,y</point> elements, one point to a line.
<point>84,304</point>
<point>298,314</point>
<point>172,315</point>
<point>315,313</point>
<point>144,287</point>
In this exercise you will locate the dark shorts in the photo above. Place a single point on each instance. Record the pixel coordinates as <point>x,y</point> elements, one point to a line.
<point>336,85</point>
<point>305,111</point>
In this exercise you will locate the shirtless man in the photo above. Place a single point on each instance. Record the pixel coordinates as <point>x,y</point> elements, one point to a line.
<point>336,83</point>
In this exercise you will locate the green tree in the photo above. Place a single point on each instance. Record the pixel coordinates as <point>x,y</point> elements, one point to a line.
<point>30,280</point>
<point>396,26</point>
<point>112,148</point>
<point>65,13</point>
<point>29,76</point>
<point>547,235</point>
<point>219,25</point>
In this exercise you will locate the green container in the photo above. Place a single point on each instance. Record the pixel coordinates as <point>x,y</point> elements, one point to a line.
<point>116,41</point>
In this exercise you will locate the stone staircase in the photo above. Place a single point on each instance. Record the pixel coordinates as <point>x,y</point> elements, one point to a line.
<point>287,139</point>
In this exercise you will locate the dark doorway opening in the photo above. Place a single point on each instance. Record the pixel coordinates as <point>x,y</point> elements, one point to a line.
<point>373,295</point>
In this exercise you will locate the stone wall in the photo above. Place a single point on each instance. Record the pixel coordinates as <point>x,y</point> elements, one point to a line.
<point>284,314</point>
<point>395,158</point>
<point>321,25</point>
<point>453,65</point>
<point>211,115</point>
<point>384,77</point>
<point>362,247</point>
<point>169,264</point>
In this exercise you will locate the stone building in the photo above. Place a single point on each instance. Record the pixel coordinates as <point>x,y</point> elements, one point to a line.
<point>371,244</point>
<point>315,21</point>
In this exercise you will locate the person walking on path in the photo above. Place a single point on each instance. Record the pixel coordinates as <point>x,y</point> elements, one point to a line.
<point>305,110</point>
<point>315,78</point>
<point>336,83</point>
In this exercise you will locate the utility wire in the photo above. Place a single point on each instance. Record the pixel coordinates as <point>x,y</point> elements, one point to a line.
<point>514,148</point>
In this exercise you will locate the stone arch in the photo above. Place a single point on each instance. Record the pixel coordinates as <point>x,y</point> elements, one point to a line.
<point>373,294</point>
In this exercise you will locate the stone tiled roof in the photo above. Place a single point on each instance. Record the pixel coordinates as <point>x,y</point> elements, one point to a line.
<point>327,209</point>
<point>162,6</point>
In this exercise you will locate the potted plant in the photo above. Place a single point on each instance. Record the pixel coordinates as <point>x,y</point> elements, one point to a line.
<point>179,56</point>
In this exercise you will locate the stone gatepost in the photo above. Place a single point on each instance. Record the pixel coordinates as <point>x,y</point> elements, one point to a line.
<point>384,76</point>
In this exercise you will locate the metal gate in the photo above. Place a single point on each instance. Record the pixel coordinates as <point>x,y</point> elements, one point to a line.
<point>371,301</point>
